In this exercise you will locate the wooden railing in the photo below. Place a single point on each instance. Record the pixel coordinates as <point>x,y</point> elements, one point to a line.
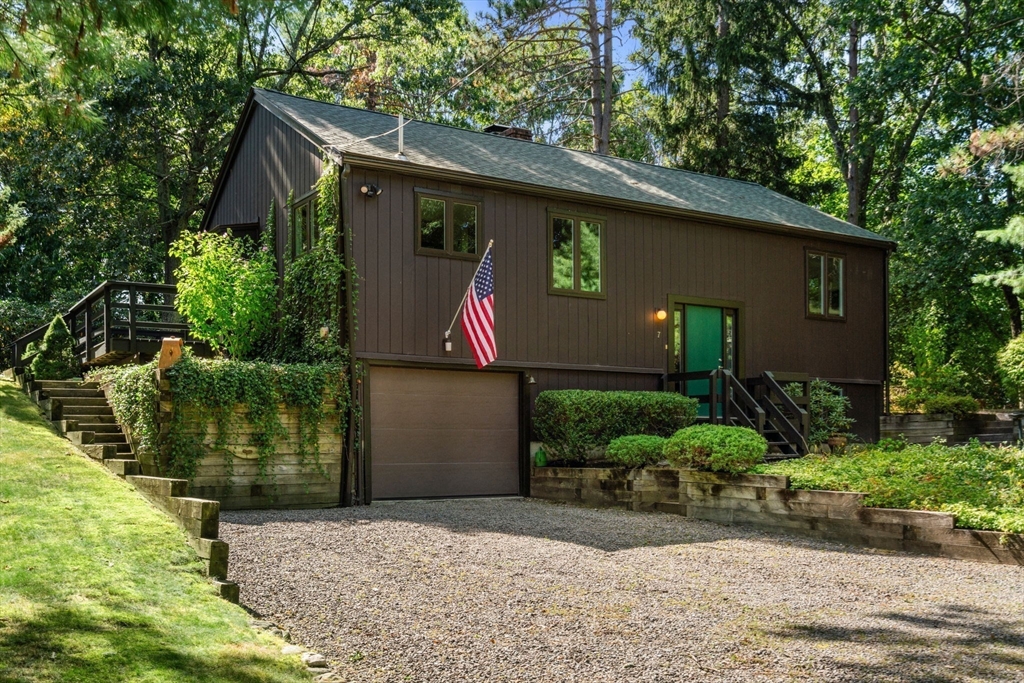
<point>781,418</point>
<point>115,320</point>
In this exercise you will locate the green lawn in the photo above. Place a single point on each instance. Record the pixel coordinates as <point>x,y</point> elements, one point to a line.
<point>982,485</point>
<point>97,585</point>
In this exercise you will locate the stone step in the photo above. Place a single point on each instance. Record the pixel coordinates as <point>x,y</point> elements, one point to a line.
<point>91,411</point>
<point>123,468</point>
<point>122,448</point>
<point>71,393</point>
<point>108,437</point>
<point>99,427</point>
<point>75,402</point>
<point>100,451</point>
<point>64,384</point>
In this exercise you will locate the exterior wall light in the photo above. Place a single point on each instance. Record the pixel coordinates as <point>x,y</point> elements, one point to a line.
<point>660,313</point>
<point>371,190</point>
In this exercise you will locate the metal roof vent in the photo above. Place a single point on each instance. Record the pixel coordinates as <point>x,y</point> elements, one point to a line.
<point>509,131</point>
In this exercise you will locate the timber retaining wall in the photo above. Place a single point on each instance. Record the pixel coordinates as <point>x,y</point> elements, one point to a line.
<point>230,472</point>
<point>767,502</point>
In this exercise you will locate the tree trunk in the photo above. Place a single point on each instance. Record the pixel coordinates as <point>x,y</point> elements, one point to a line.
<point>854,186</point>
<point>1013,306</point>
<point>596,77</point>
<point>723,96</point>
<point>609,80</point>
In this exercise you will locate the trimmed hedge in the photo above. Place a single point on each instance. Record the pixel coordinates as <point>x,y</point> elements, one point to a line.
<point>572,423</point>
<point>717,448</point>
<point>636,451</point>
<point>959,406</point>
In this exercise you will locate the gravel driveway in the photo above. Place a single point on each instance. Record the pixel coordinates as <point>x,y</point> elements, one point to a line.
<point>526,590</point>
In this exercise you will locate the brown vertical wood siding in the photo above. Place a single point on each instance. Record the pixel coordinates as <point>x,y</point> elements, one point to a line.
<point>407,300</point>
<point>272,159</point>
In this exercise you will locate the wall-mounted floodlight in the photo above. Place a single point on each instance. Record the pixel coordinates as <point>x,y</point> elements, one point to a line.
<point>371,190</point>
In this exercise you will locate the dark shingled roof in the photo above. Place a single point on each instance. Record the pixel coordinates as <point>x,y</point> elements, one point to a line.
<point>344,130</point>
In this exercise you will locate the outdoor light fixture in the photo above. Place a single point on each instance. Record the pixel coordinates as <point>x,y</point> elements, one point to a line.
<point>371,190</point>
<point>447,342</point>
<point>660,313</point>
<point>530,379</point>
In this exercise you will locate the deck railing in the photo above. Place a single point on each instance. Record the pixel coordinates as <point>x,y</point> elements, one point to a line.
<point>115,320</point>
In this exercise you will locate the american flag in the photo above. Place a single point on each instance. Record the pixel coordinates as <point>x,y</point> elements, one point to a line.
<point>478,315</point>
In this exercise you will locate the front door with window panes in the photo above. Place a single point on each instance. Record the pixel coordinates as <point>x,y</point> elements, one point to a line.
<point>704,339</point>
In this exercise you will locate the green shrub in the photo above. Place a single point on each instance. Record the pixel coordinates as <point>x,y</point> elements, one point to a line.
<point>1011,362</point>
<point>56,358</point>
<point>572,423</point>
<point>227,295</point>
<point>636,451</point>
<point>911,395</point>
<point>18,317</point>
<point>716,447</point>
<point>828,408</point>
<point>959,406</point>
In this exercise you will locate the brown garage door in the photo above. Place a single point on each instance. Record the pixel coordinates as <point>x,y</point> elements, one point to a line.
<point>436,433</point>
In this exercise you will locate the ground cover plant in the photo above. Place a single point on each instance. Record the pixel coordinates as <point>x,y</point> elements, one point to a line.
<point>574,423</point>
<point>718,448</point>
<point>982,485</point>
<point>96,585</point>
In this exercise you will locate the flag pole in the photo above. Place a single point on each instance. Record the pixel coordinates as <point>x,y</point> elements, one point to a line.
<point>448,332</point>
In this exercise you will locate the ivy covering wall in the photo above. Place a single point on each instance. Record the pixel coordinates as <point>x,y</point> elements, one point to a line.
<point>296,359</point>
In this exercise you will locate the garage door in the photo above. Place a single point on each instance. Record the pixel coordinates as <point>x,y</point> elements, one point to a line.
<point>437,433</point>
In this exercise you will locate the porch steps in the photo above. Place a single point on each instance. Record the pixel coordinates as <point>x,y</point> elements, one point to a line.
<point>80,412</point>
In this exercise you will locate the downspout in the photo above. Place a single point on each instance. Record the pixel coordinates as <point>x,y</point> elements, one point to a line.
<point>886,408</point>
<point>349,494</point>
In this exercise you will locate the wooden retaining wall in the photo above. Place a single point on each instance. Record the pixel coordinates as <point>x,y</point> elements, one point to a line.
<point>922,429</point>
<point>768,503</point>
<point>231,475</point>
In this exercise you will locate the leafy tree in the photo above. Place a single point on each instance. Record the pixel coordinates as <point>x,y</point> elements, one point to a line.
<point>227,296</point>
<point>56,358</point>
<point>52,51</point>
<point>12,217</point>
<point>551,63</point>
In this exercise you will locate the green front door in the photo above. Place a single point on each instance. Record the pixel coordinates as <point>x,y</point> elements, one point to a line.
<point>703,339</point>
<point>702,348</point>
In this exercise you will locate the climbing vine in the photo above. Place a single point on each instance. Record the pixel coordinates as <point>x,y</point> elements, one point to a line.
<point>223,392</point>
<point>303,365</point>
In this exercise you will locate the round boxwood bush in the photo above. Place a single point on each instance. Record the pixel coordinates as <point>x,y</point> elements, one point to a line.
<point>716,447</point>
<point>636,451</point>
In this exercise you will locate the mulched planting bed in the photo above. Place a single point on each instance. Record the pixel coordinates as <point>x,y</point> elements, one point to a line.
<point>526,590</point>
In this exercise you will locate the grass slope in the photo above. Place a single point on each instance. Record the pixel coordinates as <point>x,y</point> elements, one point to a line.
<point>982,485</point>
<point>97,585</point>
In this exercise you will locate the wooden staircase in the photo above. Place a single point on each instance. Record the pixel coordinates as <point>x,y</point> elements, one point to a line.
<point>761,403</point>
<point>79,410</point>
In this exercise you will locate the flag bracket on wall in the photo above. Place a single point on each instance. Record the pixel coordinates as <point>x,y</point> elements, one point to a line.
<point>477,308</point>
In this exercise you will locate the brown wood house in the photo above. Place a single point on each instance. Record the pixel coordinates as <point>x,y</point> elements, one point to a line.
<point>609,274</point>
